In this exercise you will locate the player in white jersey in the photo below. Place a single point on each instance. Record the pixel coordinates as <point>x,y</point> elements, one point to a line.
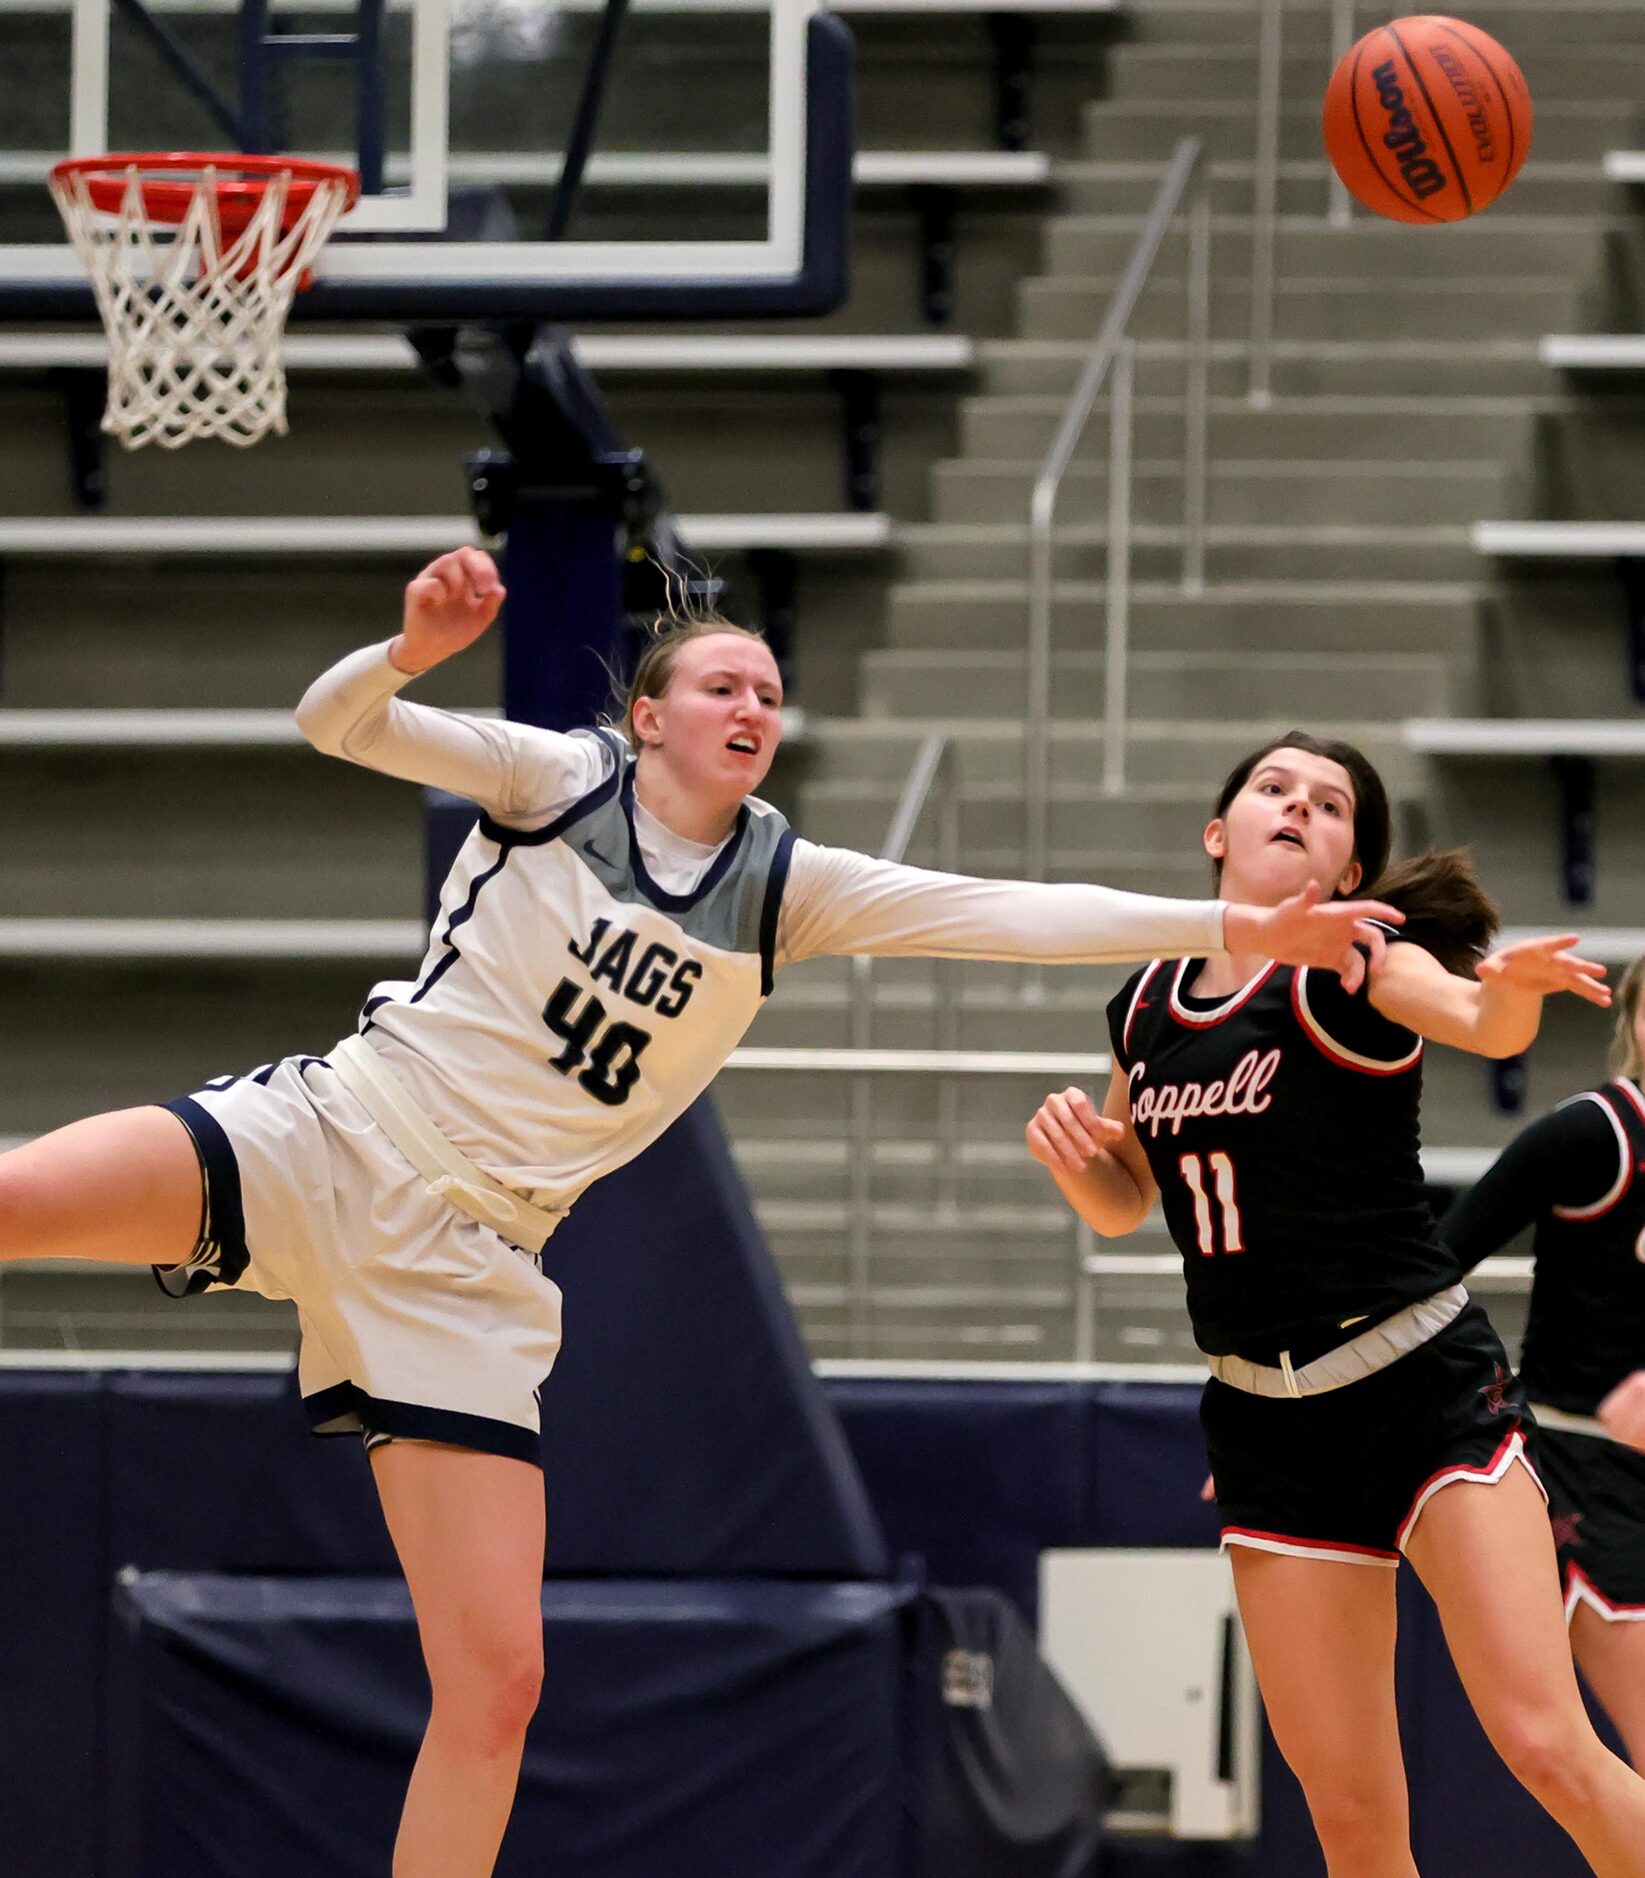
<point>605,937</point>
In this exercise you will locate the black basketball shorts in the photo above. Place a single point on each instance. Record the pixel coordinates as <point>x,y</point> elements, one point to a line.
<point>1345,1475</point>
<point>1596,1494</point>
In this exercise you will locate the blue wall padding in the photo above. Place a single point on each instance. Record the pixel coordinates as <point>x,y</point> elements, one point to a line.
<point>743,1731</point>
<point>975,1479</point>
<point>683,1432</point>
<point>220,1473</point>
<point>52,1598</point>
<point>1148,1465</point>
<point>217,1472</point>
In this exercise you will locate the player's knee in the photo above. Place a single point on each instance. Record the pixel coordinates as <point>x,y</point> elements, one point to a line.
<point>1356,1818</point>
<point>1551,1755</point>
<point>492,1688</point>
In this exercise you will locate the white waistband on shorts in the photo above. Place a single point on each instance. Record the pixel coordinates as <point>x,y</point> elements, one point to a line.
<point>450,1174</point>
<point>1562,1421</point>
<point>1361,1356</point>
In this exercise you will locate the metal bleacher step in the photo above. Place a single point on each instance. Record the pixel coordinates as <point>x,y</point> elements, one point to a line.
<point>1560,541</point>
<point>369,354</point>
<point>355,536</point>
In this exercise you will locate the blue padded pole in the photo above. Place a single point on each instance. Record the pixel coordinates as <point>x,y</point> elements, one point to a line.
<point>561,622</point>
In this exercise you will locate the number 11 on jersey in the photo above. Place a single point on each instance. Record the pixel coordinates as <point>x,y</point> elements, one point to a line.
<point>1222,1175</point>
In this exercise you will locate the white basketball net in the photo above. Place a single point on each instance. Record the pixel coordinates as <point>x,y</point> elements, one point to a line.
<point>194,326</point>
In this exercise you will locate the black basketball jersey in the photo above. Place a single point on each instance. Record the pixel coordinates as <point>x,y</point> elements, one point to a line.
<point>1281,1124</point>
<point>1586,1328</point>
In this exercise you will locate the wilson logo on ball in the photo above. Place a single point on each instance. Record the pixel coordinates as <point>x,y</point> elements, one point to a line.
<point>1422,174</point>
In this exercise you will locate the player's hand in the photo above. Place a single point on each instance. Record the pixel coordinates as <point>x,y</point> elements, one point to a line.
<point>1068,1132</point>
<point>1308,929</point>
<point>1545,966</point>
<point>450,603</point>
<point>1623,1411</point>
<point>1208,1492</point>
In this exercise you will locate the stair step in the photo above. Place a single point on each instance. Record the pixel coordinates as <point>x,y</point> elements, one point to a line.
<point>1510,367</point>
<point>978,550</point>
<point>1127,185</point>
<point>1199,687</point>
<point>1058,306</point>
<point>1396,617</point>
<point>1239,492</point>
<point>1394,429</point>
<point>1498,245</point>
<point>1566,131</point>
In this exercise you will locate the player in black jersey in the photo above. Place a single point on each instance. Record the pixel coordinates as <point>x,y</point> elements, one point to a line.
<point>1578,1176</point>
<point>1276,1116</point>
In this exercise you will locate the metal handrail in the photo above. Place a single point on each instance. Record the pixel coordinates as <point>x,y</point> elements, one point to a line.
<point>1265,199</point>
<point>1341,211</point>
<point>1110,352</point>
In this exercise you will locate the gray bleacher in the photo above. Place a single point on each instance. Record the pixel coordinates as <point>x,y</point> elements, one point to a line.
<point>1344,591</point>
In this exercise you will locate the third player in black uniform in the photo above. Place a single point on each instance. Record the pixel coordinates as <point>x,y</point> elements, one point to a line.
<point>1276,1117</point>
<point>1578,1176</point>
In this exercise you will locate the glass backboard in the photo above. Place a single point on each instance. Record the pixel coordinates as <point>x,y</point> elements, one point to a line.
<point>723,126</point>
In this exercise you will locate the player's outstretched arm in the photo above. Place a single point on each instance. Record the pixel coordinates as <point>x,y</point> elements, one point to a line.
<point>840,901</point>
<point>1498,1014</point>
<point>1096,1160</point>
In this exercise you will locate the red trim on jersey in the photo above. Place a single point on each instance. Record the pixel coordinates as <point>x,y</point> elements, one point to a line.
<point>1136,999</point>
<point>1581,1589</point>
<point>1235,1534</point>
<point>1633,1095</point>
<point>1203,1020</point>
<point>1511,1448</point>
<point>1625,1169</point>
<point>1339,1053</point>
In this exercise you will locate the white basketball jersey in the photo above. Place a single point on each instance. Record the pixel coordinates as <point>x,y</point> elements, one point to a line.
<point>570,1008</point>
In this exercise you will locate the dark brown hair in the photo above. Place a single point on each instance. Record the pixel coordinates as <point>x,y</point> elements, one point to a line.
<point>1446,910</point>
<point>654,669</point>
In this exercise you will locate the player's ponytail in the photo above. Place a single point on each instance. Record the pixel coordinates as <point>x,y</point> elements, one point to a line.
<point>1625,1059</point>
<point>1446,910</point>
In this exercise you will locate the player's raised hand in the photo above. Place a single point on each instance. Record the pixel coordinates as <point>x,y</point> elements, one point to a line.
<point>1308,929</point>
<point>449,604</point>
<point>1067,1132</point>
<point>1545,966</point>
<point>1623,1411</point>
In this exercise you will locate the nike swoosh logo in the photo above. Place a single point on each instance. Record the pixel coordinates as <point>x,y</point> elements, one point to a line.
<point>603,859</point>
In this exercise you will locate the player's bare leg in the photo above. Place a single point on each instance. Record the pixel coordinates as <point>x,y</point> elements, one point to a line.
<point>1611,1657</point>
<point>1486,1553</point>
<point>470,1531</point>
<point>124,1187</point>
<point>1322,1639</point>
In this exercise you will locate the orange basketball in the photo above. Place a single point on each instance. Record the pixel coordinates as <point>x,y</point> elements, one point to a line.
<point>1427,120</point>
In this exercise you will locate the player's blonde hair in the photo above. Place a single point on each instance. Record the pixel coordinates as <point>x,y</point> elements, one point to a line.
<point>654,671</point>
<point>1625,1056</point>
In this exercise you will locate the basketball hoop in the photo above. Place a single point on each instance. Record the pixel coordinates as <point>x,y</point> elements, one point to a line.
<point>195,260</point>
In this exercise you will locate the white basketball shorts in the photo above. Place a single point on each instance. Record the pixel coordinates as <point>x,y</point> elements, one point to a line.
<point>418,1322</point>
